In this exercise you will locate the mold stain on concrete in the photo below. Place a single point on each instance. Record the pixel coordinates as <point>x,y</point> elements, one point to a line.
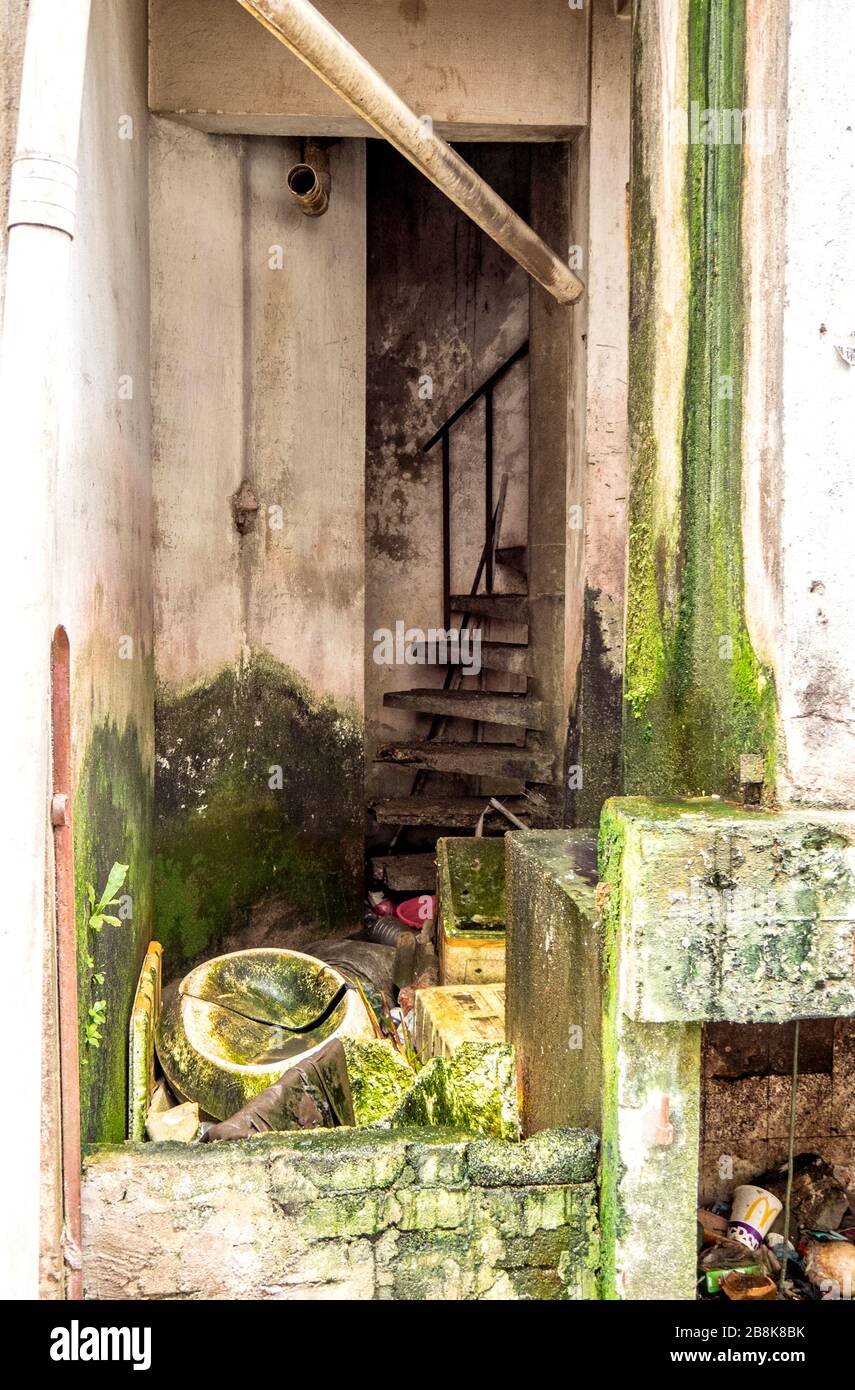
<point>258,794</point>
<point>696,694</point>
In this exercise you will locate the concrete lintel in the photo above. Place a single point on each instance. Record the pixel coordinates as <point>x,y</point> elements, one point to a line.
<point>735,915</point>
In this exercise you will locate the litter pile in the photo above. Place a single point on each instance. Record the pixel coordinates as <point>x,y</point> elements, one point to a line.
<point>271,1039</point>
<point>744,1253</point>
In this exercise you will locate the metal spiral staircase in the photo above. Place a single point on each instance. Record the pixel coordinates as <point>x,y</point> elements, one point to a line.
<point>441,757</point>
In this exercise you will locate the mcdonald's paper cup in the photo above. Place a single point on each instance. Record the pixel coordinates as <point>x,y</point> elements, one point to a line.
<point>752,1214</point>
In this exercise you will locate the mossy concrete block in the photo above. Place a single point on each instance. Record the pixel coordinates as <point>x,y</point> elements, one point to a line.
<point>473,1090</point>
<point>553,1016</point>
<point>349,1214</point>
<point>471,910</point>
<point>553,1156</point>
<point>431,1208</point>
<point>379,1078</point>
<point>446,1167</point>
<point>737,915</point>
<point>348,1160</point>
<point>331,1214</point>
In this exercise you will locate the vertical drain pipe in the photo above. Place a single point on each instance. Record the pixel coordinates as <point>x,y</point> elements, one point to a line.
<point>315,41</point>
<point>41,225</point>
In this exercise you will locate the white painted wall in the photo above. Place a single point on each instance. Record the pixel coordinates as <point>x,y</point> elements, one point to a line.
<point>816,662</point>
<point>76,316</point>
<point>102,586</point>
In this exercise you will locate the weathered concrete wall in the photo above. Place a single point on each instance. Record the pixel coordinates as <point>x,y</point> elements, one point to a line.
<point>102,586</point>
<point>258,375</point>
<point>815,662</point>
<point>598,490</point>
<point>483,70</point>
<point>446,307</point>
<point>712,912</point>
<point>13,27</point>
<point>739,573</point>
<point>344,1215</point>
<point>553,1014</point>
<point>697,695</point>
<point>740,630</point>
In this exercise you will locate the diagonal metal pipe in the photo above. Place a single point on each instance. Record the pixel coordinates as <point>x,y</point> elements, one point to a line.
<point>303,30</point>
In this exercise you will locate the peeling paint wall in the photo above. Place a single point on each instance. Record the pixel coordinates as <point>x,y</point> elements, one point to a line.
<point>816,652</point>
<point>102,586</point>
<point>258,376</point>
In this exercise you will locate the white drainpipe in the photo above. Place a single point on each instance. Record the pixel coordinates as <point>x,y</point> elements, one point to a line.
<point>32,363</point>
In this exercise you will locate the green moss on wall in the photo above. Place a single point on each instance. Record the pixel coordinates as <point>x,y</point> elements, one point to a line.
<point>696,694</point>
<point>112,821</point>
<point>612,1215</point>
<point>258,796</point>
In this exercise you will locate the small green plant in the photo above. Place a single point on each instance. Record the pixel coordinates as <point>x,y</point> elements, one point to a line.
<point>99,917</point>
<point>98,914</point>
<point>93,1031</point>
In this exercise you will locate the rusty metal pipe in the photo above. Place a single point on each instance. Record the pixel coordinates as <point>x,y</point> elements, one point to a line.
<point>309,181</point>
<point>300,27</point>
<point>307,188</point>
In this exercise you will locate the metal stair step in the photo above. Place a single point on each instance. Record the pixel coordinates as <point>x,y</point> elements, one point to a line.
<point>509,608</point>
<point>475,759</point>
<point>513,557</point>
<point>504,656</point>
<point>485,706</point>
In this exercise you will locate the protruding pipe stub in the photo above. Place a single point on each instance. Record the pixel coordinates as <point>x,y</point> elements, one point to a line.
<point>309,182</point>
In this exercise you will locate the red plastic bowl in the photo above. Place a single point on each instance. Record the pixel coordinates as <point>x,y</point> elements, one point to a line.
<point>414,912</point>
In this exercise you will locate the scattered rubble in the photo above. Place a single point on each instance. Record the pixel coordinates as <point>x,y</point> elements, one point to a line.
<point>178,1125</point>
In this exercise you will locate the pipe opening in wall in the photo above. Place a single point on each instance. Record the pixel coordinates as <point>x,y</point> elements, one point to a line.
<point>309,181</point>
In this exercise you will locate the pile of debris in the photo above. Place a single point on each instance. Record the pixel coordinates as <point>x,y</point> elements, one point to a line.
<point>270,1039</point>
<point>745,1254</point>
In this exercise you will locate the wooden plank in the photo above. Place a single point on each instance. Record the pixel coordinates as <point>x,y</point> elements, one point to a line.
<point>449,813</point>
<point>402,873</point>
<point>477,759</point>
<point>486,706</point>
<point>509,608</point>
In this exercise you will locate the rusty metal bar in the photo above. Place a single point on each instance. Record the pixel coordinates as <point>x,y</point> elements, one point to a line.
<point>66,949</point>
<point>303,30</point>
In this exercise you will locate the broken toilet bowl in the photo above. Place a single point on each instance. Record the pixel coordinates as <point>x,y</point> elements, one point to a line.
<point>237,1022</point>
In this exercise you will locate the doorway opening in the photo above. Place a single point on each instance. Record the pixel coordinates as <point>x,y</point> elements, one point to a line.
<point>465,515</point>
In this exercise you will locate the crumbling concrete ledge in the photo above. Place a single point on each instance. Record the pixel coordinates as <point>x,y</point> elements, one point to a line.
<point>344,1214</point>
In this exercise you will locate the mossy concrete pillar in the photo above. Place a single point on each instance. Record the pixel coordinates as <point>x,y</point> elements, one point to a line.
<point>709,912</point>
<point>552,1012</point>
